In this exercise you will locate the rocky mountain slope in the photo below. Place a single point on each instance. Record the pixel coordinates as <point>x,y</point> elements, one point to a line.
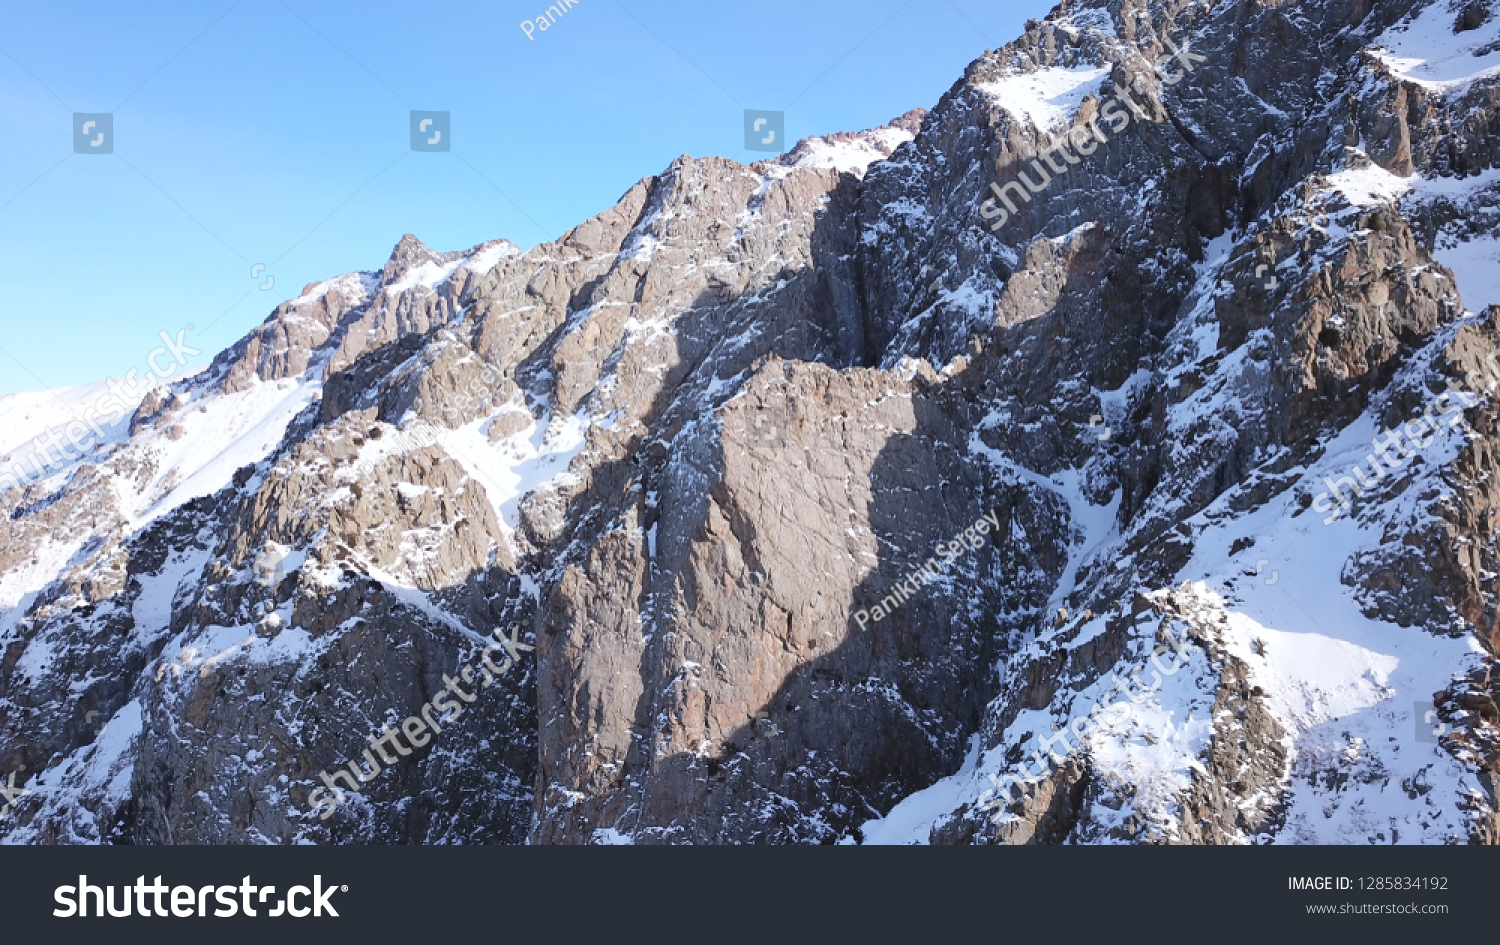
<point>721,456</point>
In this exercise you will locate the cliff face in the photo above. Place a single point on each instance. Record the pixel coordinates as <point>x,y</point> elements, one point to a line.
<point>831,513</point>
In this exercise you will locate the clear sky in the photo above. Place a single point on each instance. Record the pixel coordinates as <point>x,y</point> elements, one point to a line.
<point>276,133</point>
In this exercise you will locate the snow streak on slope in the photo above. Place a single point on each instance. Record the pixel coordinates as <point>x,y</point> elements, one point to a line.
<point>1154,748</point>
<point>221,434</point>
<point>1472,251</point>
<point>1476,265</point>
<point>23,417</point>
<point>519,464</point>
<point>1425,49</point>
<point>1343,683</point>
<point>95,778</point>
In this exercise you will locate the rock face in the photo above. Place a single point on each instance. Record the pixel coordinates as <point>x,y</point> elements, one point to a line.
<point>833,510</point>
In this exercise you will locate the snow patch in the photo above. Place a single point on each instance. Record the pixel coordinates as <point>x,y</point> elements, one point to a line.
<point>854,156</point>
<point>1046,97</point>
<point>1424,50</point>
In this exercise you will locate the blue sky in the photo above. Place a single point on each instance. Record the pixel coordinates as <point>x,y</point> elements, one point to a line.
<point>275,133</point>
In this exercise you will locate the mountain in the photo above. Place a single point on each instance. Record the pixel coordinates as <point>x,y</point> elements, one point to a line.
<point>1002,475</point>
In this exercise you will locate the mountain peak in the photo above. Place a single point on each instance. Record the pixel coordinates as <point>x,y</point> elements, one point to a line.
<point>408,254</point>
